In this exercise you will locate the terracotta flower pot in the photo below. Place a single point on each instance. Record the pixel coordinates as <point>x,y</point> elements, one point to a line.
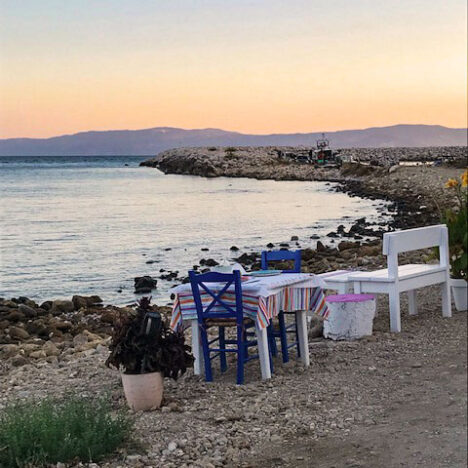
<point>143,391</point>
<point>460,293</point>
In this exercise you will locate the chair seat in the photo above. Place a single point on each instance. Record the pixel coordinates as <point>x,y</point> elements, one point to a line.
<point>404,272</point>
<point>226,322</point>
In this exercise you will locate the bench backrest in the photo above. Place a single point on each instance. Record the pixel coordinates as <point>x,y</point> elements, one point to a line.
<point>415,239</point>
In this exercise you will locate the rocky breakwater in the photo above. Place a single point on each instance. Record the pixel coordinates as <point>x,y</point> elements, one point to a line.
<point>54,330</point>
<point>253,162</point>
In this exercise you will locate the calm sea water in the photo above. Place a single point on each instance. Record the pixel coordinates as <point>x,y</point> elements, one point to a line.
<point>88,225</point>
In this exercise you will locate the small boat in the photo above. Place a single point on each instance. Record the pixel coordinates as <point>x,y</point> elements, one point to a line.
<point>324,156</point>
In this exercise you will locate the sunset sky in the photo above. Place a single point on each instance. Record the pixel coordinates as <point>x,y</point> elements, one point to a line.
<point>257,66</point>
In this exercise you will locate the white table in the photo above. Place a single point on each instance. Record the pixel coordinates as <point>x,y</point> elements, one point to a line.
<point>298,292</point>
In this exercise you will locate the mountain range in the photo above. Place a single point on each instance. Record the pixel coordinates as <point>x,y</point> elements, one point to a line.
<point>153,140</point>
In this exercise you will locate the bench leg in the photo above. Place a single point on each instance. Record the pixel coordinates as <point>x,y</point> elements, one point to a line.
<point>394,302</point>
<point>446,300</point>
<point>357,287</point>
<point>412,303</point>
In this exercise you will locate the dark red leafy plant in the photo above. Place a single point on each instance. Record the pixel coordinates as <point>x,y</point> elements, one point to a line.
<point>133,351</point>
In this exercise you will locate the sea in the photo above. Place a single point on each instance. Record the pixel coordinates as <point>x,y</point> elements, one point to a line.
<point>90,225</point>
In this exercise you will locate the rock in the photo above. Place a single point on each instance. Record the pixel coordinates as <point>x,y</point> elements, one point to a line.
<point>17,333</point>
<point>46,305</point>
<point>40,354</point>
<point>15,316</point>
<point>294,238</point>
<point>145,284</point>
<point>315,236</point>
<point>80,340</point>
<point>50,349</point>
<point>210,262</point>
<point>28,311</point>
<point>270,245</point>
<point>346,245</point>
<point>9,350</point>
<point>234,248</point>
<point>320,247</point>
<point>80,302</point>
<point>61,306</point>
<point>18,360</point>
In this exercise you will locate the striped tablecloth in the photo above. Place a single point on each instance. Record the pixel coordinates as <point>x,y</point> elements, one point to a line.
<point>262,299</point>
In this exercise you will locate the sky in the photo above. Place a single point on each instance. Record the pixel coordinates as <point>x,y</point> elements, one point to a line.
<point>257,66</point>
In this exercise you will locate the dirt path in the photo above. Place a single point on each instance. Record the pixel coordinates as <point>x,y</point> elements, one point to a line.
<point>420,392</point>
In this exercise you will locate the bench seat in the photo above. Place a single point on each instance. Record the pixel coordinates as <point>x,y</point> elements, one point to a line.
<point>404,272</point>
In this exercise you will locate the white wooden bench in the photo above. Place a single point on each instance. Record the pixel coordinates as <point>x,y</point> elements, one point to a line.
<point>408,278</point>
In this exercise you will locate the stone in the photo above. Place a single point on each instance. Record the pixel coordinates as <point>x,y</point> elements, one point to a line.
<point>50,349</point>
<point>18,360</point>
<point>320,247</point>
<point>9,350</point>
<point>40,354</point>
<point>234,248</point>
<point>294,238</point>
<point>80,340</point>
<point>17,333</point>
<point>144,284</point>
<point>28,311</point>
<point>61,306</point>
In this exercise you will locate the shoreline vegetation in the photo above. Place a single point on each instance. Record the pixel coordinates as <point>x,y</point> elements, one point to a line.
<point>357,402</point>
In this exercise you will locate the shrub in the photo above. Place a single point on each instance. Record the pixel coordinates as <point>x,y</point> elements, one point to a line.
<point>456,220</point>
<point>60,430</point>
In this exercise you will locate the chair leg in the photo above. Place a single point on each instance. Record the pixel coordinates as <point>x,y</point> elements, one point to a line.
<point>412,302</point>
<point>394,302</point>
<point>272,340</point>
<point>206,355</point>
<point>240,355</point>
<point>283,337</point>
<point>446,300</point>
<point>222,345</point>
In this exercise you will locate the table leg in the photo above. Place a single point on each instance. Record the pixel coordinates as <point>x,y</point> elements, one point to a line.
<point>263,352</point>
<point>196,348</point>
<point>301,323</point>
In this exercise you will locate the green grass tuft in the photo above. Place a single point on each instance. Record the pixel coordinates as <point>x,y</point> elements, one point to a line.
<point>51,431</point>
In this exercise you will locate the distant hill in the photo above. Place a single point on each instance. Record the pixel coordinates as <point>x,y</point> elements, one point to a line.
<point>153,140</point>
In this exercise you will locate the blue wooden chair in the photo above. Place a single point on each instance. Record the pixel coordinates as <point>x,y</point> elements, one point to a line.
<point>222,312</point>
<point>282,255</point>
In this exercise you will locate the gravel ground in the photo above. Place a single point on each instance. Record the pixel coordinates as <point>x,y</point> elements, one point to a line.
<point>384,401</point>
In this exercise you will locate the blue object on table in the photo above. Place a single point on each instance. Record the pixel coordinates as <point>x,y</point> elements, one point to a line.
<point>219,313</point>
<point>282,255</point>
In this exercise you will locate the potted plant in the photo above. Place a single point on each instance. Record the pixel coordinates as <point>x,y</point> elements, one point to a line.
<point>145,350</point>
<point>456,220</point>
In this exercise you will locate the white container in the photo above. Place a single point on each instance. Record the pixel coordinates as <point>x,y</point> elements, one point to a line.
<point>351,316</point>
<point>460,293</point>
<point>143,391</point>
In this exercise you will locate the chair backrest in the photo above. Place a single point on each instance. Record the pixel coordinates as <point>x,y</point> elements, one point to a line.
<point>279,255</point>
<point>415,239</point>
<point>224,301</point>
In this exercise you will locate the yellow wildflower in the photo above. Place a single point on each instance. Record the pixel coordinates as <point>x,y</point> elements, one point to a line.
<point>451,183</point>
<point>464,178</point>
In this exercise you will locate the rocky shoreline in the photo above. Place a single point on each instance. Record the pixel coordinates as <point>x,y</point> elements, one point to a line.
<point>387,400</point>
